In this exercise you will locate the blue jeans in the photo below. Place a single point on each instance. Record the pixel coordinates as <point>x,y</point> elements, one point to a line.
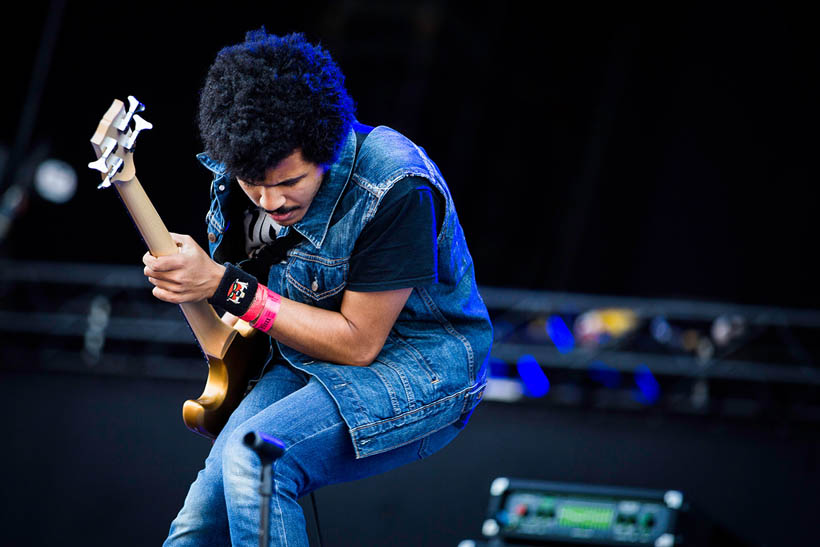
<point>222,505</point>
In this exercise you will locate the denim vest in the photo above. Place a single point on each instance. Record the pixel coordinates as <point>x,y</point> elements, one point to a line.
<point>431,372</point>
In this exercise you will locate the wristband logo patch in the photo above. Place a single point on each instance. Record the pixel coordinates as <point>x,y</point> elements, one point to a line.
<point>236,292</point>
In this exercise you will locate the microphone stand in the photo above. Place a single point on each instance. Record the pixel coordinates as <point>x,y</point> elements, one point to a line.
<point>268,449</point>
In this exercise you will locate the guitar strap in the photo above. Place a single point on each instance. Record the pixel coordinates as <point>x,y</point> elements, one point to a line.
<point>270,254</point>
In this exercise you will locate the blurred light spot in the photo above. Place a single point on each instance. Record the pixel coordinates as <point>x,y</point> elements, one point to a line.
<point>535,381</point>
<point>726,328</point>
<point>604,374</point>
<point>648,389</point>
<point>660,329</point>
<point>55,181</point>
<point>560,334</point>
<point>504,389</point>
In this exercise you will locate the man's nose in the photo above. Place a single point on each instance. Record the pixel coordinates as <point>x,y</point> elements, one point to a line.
<point>271,198</point>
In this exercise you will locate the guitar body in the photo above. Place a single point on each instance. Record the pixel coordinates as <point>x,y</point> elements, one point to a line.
<point>228,378</point>
<point>235,354</point>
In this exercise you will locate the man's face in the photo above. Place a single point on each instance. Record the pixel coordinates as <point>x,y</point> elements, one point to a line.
<point>288,188</point>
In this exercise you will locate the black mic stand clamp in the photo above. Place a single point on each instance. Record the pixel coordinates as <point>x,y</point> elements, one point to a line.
<point>268,449</point>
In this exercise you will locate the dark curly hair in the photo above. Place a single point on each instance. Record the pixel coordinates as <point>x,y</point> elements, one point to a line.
<point>268,96</point>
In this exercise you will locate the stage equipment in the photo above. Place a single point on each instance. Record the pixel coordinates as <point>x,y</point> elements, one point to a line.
<point>528,512</point>
<point>676,356</point>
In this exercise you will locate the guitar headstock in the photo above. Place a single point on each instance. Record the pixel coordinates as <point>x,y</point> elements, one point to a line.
<point>114,141</point>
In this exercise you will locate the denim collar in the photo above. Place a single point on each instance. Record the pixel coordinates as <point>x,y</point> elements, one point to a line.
<point>315,223</point>
<point>214,166</point>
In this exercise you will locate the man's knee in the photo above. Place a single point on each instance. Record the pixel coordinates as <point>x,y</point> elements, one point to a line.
<point>241,465</point>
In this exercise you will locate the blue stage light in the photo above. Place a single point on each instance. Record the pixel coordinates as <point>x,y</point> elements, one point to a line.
<point>648,389</point>
<point>535,381</point>
<point>560,334</point>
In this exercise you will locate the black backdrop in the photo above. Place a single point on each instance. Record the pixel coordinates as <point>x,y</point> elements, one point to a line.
<point>590,149</point>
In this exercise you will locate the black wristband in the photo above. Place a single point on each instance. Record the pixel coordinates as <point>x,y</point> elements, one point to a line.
<point>235,291</point>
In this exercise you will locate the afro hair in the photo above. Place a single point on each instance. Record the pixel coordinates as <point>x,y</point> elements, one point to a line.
<point>269,96</point>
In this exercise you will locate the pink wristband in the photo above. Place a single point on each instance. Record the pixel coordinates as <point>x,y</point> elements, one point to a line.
<point>257,304</point>
<point>269,311</point>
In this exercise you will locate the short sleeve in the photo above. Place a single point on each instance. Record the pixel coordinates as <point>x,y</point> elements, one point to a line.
<point>397,249</point>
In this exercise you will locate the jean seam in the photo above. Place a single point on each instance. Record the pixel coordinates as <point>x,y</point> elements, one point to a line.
<point>281,518</point>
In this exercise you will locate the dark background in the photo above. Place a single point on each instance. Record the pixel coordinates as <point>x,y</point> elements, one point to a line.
<point>611,151</point>
<point>589,149</point>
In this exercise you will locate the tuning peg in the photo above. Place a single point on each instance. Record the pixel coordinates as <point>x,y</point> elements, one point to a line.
<point>134,105</point>
<point>116,165</point>
<point>100,165</point>
<point>139,125</point>
<point>104,164</point>
<point>109,171</point>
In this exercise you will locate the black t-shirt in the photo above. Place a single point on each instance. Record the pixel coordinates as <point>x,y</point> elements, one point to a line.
<point>397,248</point>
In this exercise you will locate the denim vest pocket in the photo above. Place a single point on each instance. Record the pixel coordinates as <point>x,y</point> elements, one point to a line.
<point>397,344</point>
<point>397,385</point>
<point>315,279</point>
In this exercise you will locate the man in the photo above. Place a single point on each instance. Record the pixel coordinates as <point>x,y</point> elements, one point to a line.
<point>341,242</point>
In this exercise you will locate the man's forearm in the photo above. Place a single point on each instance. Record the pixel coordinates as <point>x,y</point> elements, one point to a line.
<point>323,334</point>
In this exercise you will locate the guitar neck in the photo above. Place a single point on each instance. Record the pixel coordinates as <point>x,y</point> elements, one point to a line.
<point>213,335</point>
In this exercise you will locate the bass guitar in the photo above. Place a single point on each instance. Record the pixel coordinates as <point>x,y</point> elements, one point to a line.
<point>234,354</point>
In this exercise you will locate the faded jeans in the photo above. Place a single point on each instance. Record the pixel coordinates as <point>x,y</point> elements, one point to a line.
<point>222,505</point>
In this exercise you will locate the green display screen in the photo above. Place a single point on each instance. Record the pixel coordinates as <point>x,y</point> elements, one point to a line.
<point>585,516</point>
